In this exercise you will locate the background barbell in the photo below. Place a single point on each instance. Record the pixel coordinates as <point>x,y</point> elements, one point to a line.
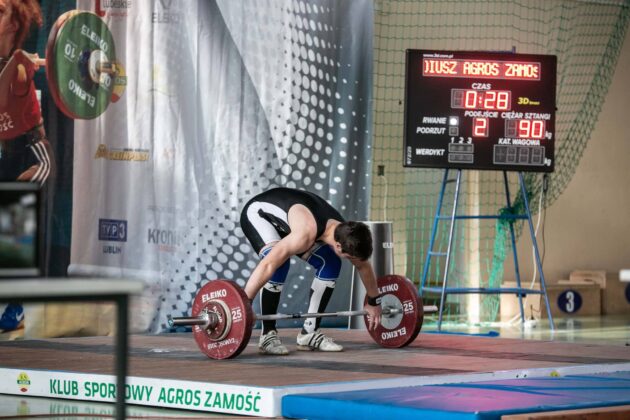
<point>82,71</point>
<point>80,53</point>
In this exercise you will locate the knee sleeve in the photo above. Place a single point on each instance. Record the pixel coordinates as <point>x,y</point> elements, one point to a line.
<point>280,275</point>
<point>326,263</point>
<point>321,292</point>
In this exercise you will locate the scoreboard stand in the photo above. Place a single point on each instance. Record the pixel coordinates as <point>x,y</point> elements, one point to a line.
<point>480,110</point>
<point>511,218</point>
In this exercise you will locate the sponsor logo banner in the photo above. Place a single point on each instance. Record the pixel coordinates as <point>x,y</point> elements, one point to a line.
<point>167,240</point>
<point>166,13</point>
<point>117,8</point>
<point>112,230</point>
<point>23,382</point>
<point>138,155</point>
<point>209,397</point>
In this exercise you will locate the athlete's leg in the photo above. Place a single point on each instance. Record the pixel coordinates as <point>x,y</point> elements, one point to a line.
<point>327,268</point>
<point>42,165</point>
<point>262,235</point>
<point>271,291</point>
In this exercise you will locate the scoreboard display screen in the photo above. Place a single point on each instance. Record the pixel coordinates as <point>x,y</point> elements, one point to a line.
<point>480,110</point>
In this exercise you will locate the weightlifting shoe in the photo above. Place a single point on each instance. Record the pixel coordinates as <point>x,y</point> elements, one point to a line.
<point>317,341</point>
<point>12,318</point>
<point>270,344</point>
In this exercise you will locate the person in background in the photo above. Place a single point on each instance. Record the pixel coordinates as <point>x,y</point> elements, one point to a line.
<point>25,153</point>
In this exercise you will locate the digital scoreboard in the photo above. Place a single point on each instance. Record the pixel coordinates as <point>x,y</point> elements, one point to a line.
<point>480,110</point>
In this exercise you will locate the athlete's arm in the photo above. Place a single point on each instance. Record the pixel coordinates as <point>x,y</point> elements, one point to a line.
<point>302,236</point>
<point>7,77</point>
<point>371,289</point>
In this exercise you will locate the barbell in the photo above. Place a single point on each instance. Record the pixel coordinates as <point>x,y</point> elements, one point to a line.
<point>82,71</point>
<point>222,318</point>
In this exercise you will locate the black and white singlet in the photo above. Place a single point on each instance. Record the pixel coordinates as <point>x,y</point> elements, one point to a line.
<point>264,218</point>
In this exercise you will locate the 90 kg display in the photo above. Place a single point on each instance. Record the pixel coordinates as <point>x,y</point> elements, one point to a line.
<point>480,110</point>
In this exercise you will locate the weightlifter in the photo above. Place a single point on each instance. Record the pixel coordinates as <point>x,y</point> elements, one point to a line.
<point>283,222</point>
<point>25,154</point>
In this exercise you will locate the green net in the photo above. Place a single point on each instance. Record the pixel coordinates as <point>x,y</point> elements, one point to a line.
<point>586,36</point>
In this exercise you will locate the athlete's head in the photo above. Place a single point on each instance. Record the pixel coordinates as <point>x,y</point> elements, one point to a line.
<point>355,239</point>
<point>16,19</point>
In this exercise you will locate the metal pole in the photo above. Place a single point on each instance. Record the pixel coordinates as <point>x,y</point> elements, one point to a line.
<point>427,262</point>
<point>535,243</point>
<point>514,253</point>
<point>448,249</point>
<point>122,345</point>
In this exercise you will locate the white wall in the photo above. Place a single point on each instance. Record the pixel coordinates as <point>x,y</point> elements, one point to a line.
<point>588,226</point>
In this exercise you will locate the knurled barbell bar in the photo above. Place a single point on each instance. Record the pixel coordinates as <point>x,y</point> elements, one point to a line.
<point>222,317</point>
<point>96,65</point>
<point>210,320</point>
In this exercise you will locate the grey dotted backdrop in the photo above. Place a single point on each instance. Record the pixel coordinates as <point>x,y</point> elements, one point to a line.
<point>290,108</point>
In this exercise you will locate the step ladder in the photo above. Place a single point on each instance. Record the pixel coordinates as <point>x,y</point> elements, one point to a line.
<point>445,289</point>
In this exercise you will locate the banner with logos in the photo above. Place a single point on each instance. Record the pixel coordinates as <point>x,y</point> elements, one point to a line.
<point>140,391</point>
<point>222,100</point>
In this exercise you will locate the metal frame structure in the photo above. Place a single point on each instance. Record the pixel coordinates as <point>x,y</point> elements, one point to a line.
<point>445,290</point>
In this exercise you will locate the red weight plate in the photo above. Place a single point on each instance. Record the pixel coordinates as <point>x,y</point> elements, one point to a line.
<point>419,318</point>
<point>242,319</point>
<point>400,330</point>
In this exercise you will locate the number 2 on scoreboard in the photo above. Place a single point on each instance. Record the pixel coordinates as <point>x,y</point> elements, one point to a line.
<point>480,127</point>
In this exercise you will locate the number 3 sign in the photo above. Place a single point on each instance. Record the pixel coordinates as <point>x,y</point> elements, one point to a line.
<point>570,301</point>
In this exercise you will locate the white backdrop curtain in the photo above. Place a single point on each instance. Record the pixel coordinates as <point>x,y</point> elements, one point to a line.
<point>223,100</point>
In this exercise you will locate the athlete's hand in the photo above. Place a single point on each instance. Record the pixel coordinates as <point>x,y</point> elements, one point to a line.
<point>373,316</point>
<point>25,69</point>
<point>37,62</point>
<point>22,77</point>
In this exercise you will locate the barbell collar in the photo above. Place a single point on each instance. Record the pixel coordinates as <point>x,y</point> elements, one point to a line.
<point>107,67</point>
<point>203,320</point>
